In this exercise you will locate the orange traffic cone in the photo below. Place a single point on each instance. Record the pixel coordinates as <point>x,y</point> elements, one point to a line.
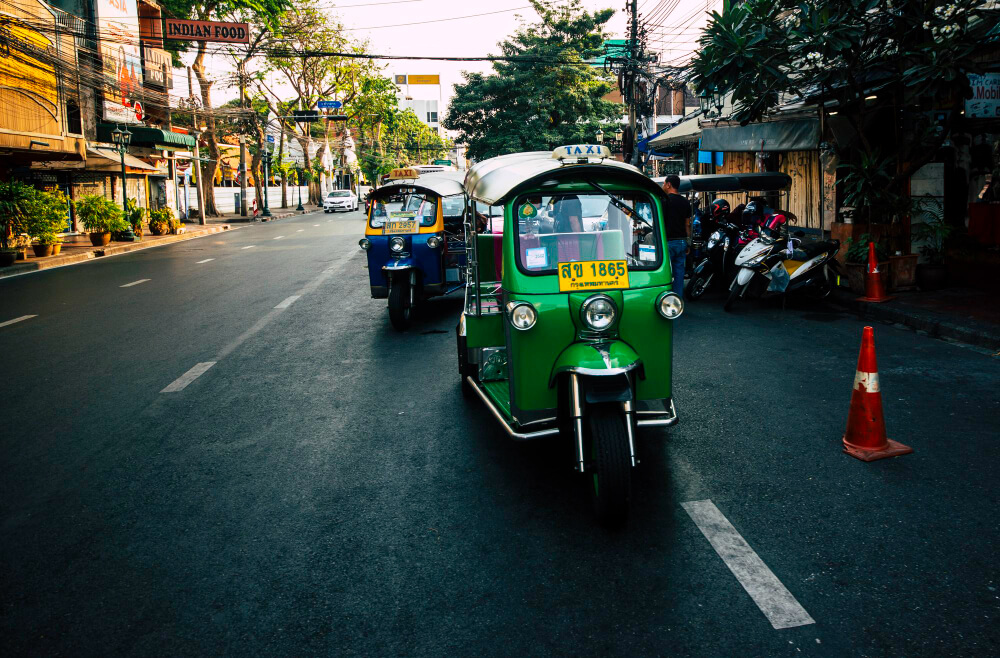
<point>865,436</point>
<point>874,290</point>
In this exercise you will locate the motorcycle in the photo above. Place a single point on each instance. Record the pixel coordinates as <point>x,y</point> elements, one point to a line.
<point>773,263</point>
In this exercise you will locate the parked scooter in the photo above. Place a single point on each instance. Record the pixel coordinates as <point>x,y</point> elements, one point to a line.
<point>718,253</point>
<point>773,263</point>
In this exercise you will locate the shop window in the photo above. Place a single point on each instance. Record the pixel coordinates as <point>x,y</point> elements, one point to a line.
<point>74,120</point>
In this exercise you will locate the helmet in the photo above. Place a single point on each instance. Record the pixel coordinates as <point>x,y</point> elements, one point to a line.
<point>775,221</point>
<point>719,208</point>
<point>752,214</point>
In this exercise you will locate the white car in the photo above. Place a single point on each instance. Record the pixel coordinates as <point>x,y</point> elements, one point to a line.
<point>340,200</point>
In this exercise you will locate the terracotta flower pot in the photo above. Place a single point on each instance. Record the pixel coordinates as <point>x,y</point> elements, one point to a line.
<point>56,248</point>
<point>42,250</point>
<point>903,272</point>
<point>100,239</point>
<point>157,229</point>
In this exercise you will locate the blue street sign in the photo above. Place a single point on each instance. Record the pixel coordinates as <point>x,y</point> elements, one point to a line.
<point>329,105</point>
<point>270,139</point>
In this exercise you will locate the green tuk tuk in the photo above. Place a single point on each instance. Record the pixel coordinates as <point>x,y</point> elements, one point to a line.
<point>567,326</point>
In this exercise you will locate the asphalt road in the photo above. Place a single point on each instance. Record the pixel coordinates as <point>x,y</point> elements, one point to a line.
<point>324,489</point>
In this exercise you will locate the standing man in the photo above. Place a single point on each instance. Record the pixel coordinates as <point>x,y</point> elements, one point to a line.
<point>678,220</point>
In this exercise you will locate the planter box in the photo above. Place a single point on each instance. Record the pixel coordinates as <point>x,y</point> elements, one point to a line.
<point>897,236</point>
<point>857,273</point>
<point>903,272</point>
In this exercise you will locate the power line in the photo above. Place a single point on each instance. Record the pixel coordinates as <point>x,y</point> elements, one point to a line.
<point>438,20</point>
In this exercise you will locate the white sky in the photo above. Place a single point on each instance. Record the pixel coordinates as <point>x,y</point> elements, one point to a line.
<point>673,26</point>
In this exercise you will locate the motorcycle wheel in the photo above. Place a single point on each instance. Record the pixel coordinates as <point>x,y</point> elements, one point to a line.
<point>611,478</point>
<point>399,303</point>
<point>734,294</point>
<point>695,288</point>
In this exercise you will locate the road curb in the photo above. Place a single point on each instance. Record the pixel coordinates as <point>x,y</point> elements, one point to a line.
<point>104,252</point>
<point>934,324</point>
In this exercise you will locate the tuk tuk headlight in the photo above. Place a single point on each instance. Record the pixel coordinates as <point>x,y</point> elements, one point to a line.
<point>434,242</point>
<point>670,305</point>
<point>396,244</point>
<point>522,315</point>
<point>365,244</point>
<point>598,312</point>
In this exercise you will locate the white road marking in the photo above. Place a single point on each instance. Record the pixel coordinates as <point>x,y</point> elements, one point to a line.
<point>204,261</point>
<point>279,237</point>
<point>288,301</point>
<point>181,382</point>
<point>773,599</point>
<point>300,230</point>
<point>134,283</point>
<point>249,246</point>
<point>16,320</point>
<point>315,224</point>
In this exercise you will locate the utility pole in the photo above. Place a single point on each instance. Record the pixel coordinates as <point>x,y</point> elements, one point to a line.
<point>197,153</point>
<point>633,55</point>
<point>243,144</point>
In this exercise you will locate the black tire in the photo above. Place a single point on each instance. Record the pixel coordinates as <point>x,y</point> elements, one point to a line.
<point>734,294</point>
<point>695,287</point>
<point>399,303</point>
<point>610,479</point>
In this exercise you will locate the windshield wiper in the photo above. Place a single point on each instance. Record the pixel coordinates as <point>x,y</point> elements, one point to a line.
<point>618,203</point>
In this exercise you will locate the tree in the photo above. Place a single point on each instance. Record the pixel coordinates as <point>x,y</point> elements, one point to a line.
<point>308,29</point>
<point>547,96</point>
<point>884,64</point>
<point>263,14</point>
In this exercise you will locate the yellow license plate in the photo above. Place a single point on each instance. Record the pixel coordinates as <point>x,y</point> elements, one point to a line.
<point>400,226</point>
<point>592,275</point>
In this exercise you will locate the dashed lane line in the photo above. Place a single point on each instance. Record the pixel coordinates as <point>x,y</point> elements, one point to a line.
<point>135,283</point>
<point>279,237</point>
<point>773,598</point>
<point>288,301</point>
<point>300,230</point>
<point>16,320</point>
<point>315,224</point>
<point>204,261</point>
<point>249,246</point>
<point>194,373</point>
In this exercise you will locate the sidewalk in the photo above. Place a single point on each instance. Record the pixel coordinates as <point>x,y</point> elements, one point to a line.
<point>78,249</point>
<point>962,314</point>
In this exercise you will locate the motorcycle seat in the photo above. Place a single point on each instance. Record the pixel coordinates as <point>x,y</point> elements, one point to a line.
<point>813,249</point>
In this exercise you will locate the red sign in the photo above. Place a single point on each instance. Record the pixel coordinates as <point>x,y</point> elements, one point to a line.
<point>184,30</point>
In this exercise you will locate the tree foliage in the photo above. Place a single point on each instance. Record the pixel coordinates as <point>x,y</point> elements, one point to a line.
<point>549,97</point>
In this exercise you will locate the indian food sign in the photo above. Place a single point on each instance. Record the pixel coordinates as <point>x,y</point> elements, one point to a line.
<point>185,30</point>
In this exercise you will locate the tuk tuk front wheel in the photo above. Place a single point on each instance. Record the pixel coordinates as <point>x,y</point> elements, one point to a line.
<point>399,303</point>
<point>611,476</point>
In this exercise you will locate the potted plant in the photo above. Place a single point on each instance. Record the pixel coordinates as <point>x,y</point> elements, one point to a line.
<point>866,187</point>
<point>176,226</point>
<point>47,218</point>
<point>100,216</point>
<point>933,274</point>
<point>161,221</point>
<point>134,215</point>
<point>15,202</point>
<point>856,261</point>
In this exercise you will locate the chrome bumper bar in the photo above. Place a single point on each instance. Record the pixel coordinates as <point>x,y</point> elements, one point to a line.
<point>656,418</point>
<point>518,436</point>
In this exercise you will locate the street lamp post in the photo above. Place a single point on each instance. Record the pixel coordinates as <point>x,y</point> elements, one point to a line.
<point>267,177</point>
<point>299,185</point>
<point>121,139</point>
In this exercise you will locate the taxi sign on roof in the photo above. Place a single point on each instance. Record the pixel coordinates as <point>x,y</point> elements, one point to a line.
<point>581,152</point>
<point>403,172</point>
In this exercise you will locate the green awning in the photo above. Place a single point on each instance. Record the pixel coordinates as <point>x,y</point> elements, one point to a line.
<point>796,135</point>
<point>148,137</point>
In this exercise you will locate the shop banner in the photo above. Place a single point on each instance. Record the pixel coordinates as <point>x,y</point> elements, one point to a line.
<point>985,101</point>
<point>118,30</point>
<point>185,30</point>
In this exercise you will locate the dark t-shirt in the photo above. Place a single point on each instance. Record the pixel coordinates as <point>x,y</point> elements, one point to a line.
<point>677,210</point>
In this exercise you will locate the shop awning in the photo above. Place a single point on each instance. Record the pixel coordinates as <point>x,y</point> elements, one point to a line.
<point>685,132</point>
<point>797,135</point>
<point>106,159</point>
<point>149,137</point>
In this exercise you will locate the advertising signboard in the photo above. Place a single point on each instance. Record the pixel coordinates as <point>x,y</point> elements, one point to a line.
<point>985,101</point>
<point>118,31</point>
<point>185,30</point>
<point>424,79</point>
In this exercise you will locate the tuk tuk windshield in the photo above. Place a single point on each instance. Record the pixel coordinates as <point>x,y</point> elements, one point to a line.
<point>405,206</point>
<point>563,228</point>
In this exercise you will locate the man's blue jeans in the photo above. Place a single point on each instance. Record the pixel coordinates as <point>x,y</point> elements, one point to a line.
<point>677,250</point>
